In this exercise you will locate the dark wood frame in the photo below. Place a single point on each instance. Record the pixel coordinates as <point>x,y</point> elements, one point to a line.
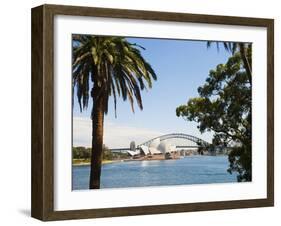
<point>42,198</point>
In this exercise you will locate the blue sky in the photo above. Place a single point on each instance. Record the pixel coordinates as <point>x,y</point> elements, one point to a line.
<point>181,67</point>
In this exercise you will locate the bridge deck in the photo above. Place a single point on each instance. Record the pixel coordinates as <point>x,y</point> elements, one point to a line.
<point>128,149</point>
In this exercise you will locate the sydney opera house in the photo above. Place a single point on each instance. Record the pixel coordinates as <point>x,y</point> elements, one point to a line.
<point>155,150</point>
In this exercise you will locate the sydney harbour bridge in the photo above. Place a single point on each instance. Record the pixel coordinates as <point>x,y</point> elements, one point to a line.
<point>179,140</point>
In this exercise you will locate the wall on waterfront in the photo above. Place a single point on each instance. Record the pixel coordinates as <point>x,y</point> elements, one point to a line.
<point>15,112</point>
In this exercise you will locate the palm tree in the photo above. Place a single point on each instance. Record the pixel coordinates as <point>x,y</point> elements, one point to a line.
<point>104,67</point>
<point>243,48</point>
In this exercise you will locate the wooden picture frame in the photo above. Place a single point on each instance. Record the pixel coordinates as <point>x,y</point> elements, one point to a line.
<point>42,203</point>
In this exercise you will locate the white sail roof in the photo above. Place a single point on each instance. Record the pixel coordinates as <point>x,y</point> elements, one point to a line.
<point>133,153</point>
<point>154,151</point>
<point>144,149</point>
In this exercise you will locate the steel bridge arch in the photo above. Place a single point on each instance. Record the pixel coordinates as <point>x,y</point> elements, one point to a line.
<point>198,141</point>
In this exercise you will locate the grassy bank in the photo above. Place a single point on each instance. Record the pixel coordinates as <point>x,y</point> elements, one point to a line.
<point>77,162</point>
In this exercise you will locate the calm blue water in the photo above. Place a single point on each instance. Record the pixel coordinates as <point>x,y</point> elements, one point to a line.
<point>189,170</point>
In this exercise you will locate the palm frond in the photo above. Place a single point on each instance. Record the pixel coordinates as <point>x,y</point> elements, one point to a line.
<point>115,67</point>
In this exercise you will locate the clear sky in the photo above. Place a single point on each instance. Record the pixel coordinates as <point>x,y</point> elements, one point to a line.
<point>181,67</point>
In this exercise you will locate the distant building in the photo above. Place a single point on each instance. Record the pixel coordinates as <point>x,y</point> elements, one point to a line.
<point>134,153</point>
<point>156,147</point>
<point>133,146</point>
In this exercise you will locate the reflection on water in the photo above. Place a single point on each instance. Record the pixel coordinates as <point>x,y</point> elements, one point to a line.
<point>144,163</point>
<point>189,170</point>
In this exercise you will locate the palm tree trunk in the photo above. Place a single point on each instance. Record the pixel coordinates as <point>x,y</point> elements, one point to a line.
<point>97,143</point>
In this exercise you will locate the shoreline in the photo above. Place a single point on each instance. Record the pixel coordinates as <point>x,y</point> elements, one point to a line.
<point>87,163</point>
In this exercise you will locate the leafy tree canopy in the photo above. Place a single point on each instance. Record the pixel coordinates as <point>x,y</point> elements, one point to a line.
<point>224,107</point>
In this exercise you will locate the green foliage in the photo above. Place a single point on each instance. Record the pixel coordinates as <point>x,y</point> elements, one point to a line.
<point>114,66</point>
<point>240,159</point>
<point>107,154</point>
<point>83,153</point>
<point>224,107</point>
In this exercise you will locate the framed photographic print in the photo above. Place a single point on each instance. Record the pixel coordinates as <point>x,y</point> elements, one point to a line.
<point>141,112</point>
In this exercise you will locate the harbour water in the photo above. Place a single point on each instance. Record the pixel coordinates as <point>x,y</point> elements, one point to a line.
<point>189,170</point>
